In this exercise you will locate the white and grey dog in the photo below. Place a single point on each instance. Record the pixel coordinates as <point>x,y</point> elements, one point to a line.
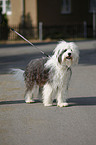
<point>52,74</point>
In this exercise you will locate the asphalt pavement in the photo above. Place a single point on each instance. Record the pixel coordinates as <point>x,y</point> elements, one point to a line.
<point>34,124</point>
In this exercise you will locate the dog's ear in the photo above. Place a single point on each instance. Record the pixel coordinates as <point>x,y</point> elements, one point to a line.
<point>59,59</point>
<point>60,56</point>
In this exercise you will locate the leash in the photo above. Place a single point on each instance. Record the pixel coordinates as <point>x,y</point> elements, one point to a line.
<point>1,21</point>
<point>29,42</point>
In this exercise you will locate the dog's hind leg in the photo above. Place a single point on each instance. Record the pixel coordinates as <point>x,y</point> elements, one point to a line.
<point>28,97</point>
<point>47,95</point>
<point>31,94</point>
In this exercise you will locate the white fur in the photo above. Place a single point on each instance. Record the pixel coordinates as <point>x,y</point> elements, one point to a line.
<point>30,95</point>
<point>18,74</point>
<point>58,87</point>
<point>33,94</point>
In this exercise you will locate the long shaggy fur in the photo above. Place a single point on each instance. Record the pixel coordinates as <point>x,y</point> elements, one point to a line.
<point>51,74</point>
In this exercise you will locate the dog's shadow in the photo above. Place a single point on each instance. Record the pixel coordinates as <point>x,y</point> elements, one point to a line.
<point>12,102</point>
<point>82,101</point>
<point>78,101</point>
<point>17,102</point>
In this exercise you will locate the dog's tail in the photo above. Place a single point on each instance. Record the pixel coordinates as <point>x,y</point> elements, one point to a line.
<point>18,74</point>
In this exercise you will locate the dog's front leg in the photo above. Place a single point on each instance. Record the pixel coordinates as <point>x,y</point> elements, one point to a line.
<point>47,95</point>
<point>61,97</point>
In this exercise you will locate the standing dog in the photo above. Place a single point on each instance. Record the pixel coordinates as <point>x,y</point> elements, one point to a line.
<point>52,74</point>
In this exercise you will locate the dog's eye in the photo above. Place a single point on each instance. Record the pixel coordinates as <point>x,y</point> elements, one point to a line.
<point>65,50</point>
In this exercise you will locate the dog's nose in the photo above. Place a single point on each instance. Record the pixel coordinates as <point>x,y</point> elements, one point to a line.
<point>69,54</point>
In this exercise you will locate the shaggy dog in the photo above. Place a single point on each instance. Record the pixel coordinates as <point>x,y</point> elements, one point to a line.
<point>52,74</point>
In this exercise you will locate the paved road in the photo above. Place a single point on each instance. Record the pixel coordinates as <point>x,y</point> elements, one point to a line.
<point>34,124</point>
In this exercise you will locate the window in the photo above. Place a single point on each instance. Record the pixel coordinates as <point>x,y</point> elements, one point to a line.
<point>66,7</point>
<point>5,6</point>
<point>92,6</point>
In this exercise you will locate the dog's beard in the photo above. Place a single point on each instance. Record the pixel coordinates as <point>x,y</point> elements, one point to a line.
<point>68,62</point>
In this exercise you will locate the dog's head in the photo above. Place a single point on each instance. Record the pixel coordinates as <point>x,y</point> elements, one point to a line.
<point>67,53</point>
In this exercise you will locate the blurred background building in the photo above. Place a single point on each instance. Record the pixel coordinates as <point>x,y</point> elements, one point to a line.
<point>60,18</point>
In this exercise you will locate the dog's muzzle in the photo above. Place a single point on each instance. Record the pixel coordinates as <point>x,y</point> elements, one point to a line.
<point>69,56</point>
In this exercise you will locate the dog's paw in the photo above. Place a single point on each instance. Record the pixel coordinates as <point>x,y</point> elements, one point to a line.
<point>47,105</point>
<point>62,104</point>
<point>30,101</point>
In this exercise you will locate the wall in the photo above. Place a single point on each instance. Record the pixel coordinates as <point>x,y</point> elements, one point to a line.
<point>31,10</point>
<point>17,9</point>
<point>15,17</point>
<point>49,12</point>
